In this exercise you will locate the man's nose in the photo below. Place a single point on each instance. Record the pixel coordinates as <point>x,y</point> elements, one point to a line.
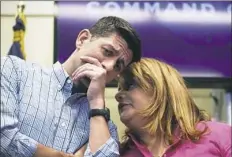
<point>120,96</point>
<point>108,65</point>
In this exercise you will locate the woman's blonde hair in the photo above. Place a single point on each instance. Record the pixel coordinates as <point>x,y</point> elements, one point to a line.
<point>171,104</point>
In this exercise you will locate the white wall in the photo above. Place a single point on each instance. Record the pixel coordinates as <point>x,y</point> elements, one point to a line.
<point>39,37</point>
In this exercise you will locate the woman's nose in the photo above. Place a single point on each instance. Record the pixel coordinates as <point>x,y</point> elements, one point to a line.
<point>120,96</point>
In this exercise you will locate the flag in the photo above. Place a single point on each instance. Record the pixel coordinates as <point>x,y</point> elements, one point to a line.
<point>17,48</point>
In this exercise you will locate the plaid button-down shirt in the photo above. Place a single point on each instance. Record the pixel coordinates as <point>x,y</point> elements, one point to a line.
<point>37,107</point>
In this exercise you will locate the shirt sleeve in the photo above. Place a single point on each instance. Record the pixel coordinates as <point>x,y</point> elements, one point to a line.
<point>13,143</point>
<point>110,148</point>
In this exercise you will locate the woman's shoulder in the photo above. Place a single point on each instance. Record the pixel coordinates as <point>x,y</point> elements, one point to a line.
<point>215,127</point>
<point>218,132</point>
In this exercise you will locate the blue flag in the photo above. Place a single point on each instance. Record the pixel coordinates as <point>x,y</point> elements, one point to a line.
<point>17,48</point>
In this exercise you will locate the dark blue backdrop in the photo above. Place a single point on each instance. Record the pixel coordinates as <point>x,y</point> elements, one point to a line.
<point>195,37</point>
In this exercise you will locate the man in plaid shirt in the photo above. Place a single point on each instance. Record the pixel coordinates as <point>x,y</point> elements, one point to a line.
<point>44,113</point>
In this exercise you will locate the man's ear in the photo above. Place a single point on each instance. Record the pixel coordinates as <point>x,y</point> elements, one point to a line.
<point>82,37</point>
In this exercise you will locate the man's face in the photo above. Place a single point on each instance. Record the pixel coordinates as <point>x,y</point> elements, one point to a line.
<point>112,52</point>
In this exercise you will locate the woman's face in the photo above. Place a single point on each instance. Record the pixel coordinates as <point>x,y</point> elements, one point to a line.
<point>131,100</point>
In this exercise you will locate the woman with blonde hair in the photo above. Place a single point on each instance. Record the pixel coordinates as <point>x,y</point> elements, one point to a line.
<point>162,118</point>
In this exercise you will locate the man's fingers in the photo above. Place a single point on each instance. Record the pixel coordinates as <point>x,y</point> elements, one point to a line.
<point>86,66</point>
<point>82,74</point>
<point>90,60</point>
<point>91,71</point>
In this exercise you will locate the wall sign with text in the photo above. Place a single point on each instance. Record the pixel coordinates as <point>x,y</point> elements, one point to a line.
<point>195,37</point>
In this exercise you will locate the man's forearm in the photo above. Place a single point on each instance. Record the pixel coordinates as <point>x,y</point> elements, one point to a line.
<point>43,151</point>
<point>99,131</point>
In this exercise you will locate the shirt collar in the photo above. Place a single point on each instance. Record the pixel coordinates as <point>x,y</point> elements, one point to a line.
<point>143,149</point>
<point>60,74</point>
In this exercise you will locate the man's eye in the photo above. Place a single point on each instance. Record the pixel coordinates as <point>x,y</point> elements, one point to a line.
<point>108,53</point>
<point>118,67</point>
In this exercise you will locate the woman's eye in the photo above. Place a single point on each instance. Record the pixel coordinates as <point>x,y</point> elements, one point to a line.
<point>132,86</point>
<point>129,86</point>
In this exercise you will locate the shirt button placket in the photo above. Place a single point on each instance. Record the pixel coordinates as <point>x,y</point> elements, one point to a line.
<point>68,81</point>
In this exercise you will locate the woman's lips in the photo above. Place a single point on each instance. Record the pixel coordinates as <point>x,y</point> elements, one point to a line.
<point>122,105</point>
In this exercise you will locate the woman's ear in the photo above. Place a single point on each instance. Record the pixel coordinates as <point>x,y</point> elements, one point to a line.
<point>82,37</point>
